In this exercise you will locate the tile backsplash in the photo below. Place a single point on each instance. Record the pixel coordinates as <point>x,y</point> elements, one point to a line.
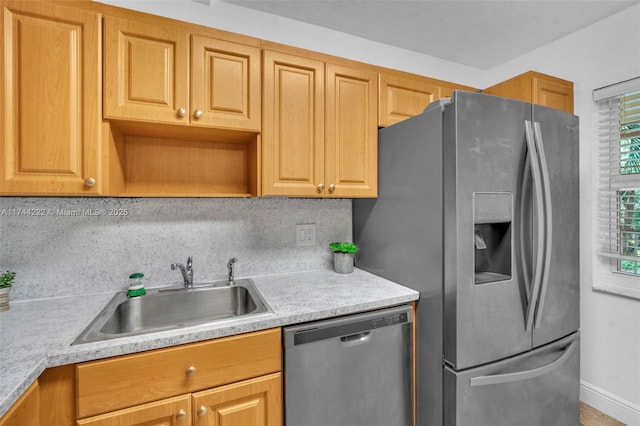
<point>70,246</point>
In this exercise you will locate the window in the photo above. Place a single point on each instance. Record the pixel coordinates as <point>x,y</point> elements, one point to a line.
<point>619,183</point>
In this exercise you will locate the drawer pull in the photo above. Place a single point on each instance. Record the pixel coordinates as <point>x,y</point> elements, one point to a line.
<point>202,410</point>
<point>191,371</point>
<point>181,414</point>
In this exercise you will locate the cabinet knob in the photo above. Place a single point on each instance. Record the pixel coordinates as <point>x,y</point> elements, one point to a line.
<point>202,410</point>
<point>197,114</point>
<point>191,371</point>
<point>181,112</point>
<point>332,188</point>
<point>321,187</point>
<point>181,414</point>
<point>89,182</point>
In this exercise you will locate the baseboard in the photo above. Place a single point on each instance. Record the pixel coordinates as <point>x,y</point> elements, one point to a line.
<point>610,404</point>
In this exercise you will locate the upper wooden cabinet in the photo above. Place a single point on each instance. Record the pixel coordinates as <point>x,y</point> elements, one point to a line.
<point>351,132</point>
<point>191,111</point>
<point>146,71</point>
<point>50,100</point>
<point>225,84</point>
<point>293,125</point>
<point>160,73</point>
<point>403,95</point>
<point>183,109</point>
<point>538,88</point>
<point>320,128</point>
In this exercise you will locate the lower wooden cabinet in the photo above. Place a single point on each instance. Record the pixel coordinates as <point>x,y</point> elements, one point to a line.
<point>50,400</point>
<point>172,411</point>
<point>255,402</point>
<point>230,381</point>
<point>25,412</point>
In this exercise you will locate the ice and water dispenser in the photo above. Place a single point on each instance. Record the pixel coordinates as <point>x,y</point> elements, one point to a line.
<point>492,220</point>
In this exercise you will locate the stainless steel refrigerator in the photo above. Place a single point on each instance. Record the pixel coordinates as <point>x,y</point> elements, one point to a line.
<point>477,209</point>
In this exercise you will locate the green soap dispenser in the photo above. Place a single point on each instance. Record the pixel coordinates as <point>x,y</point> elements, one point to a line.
<point>136,285</point>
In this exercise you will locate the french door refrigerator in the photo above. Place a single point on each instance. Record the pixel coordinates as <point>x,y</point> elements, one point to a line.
<point>477,209</point>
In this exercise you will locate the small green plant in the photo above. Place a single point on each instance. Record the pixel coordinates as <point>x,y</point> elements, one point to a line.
<point>6,279</point>
<point>343,247</point>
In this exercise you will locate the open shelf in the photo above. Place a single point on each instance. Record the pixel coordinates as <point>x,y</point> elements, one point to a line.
<point>160,161</point>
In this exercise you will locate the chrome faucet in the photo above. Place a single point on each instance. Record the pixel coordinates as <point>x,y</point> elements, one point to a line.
<point>231,268</point>
<point>187,273</point>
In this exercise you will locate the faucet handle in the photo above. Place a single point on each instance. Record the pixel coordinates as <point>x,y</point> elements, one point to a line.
<point>230,268</point>
<point>189,262</point>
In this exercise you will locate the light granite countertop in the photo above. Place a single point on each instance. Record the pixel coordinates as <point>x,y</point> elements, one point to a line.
<point>37,334</point>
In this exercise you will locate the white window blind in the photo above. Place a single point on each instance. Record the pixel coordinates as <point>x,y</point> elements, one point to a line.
<point>619,177</point>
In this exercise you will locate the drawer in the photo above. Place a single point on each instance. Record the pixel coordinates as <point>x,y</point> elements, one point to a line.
<point>129,380</point>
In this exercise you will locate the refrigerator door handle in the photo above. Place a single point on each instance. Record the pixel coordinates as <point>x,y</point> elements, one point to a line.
<point>548,213</point>
<point>523,240</point>
<point>498,379</point>
<point>540,227</point>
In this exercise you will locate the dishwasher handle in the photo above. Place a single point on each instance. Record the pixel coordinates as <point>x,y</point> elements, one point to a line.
<point>354,328</point>
<point>355,339</point>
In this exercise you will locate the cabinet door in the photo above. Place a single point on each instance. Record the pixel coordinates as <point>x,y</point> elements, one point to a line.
<point>351,146</point>
<point>553,93</point>
<point>293,126</point>
<point>167,412</point>
<point>146,72</point>
<point>225,84</point>
<point>404,97</point>
<point>26,410</point>
<point>50,100</point>
<point>538,88</point>
<point>255,402</point>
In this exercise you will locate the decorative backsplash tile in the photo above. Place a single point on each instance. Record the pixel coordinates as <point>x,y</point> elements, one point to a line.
<point>67,246</point>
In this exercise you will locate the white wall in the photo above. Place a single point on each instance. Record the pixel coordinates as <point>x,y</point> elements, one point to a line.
<point>604,53</point>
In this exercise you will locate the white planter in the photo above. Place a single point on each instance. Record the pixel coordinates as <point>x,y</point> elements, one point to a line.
<point>4,298</point>
<point>343,262</point>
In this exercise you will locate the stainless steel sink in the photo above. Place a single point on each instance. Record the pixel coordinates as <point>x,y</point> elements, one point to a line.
<point>165,309</point>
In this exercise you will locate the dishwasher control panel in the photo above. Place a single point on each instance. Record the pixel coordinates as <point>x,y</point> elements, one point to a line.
<point>339,327</point>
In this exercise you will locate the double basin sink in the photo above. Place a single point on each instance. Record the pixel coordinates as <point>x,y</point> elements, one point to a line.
<point>166,309</point>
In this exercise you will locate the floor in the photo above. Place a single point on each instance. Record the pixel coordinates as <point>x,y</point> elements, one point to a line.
<point>589,416</point>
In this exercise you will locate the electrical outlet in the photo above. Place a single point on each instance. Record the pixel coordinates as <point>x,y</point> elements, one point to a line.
<point>306,234</point>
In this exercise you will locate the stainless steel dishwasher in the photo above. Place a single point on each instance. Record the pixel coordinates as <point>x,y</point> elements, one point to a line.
<point>350,371</point>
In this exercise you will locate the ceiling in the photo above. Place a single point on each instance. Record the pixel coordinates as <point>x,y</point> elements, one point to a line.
<point>479,33</point>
